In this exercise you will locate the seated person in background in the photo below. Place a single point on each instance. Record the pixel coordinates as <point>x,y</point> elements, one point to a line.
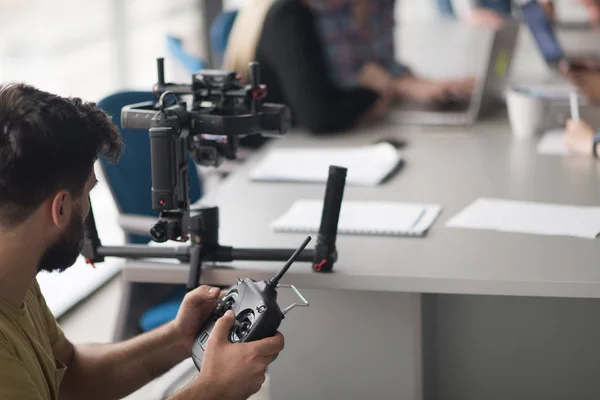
<point>593,10</point>
<point>331,61</point>
<point>582,138</point>
<point>585,74</point>
<point>48,145</point>
<point>491,12</point>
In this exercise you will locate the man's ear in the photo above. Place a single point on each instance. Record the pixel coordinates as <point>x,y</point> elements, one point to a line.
<point>62,207</point>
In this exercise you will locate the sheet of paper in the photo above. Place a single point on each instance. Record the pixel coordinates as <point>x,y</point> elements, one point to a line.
<point>552,143</point>
<point>362,218</point>
<point>529,217</point>
<point>64,290</point>
<point>367,166</point>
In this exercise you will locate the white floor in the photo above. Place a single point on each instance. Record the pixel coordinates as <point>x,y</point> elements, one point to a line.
<point>93,321</point>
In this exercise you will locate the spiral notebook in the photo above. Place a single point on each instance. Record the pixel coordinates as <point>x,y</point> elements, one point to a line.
<point>369,218</point>
<point>367,165</point>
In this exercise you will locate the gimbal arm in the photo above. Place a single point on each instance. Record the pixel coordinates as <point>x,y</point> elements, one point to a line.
<point>322,257</point>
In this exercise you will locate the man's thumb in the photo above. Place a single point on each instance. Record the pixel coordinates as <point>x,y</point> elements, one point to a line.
<point>223,326</point>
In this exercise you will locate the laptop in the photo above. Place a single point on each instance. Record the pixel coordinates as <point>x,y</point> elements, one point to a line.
<point>486,94</point>
<point>545,37</point>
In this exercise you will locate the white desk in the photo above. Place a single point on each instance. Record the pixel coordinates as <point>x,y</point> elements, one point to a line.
<point>362,336</point>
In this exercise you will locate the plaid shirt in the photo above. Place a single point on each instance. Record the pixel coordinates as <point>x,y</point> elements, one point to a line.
<point>350,43</point>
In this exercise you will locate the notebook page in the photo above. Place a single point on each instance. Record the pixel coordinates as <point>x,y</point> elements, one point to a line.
<point>367,166</point>
<point>361,217</point>
<point>552,143</point>
<point>529,217</point>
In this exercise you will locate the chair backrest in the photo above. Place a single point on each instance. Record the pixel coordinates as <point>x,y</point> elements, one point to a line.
<point>220,30</point>
<point>130,179</point>
<point>189,61</point>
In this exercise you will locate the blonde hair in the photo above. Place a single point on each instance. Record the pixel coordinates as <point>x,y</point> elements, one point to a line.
<point>244,37</point>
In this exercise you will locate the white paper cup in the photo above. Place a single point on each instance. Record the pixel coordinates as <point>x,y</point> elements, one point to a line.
<point>526,112</point>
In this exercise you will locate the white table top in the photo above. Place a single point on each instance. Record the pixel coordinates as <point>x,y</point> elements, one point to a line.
<point>449,166</point>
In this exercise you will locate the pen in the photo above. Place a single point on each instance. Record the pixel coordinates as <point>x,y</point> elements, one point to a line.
<point>574,105</point>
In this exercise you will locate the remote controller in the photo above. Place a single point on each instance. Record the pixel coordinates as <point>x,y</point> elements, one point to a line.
<point>256,310</point>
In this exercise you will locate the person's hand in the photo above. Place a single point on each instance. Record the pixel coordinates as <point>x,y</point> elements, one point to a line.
<point>236,370</point>
<point>461,87</point>
<point>585,74</point>
<point>378,110</point>
<point>579,137</point>
<point>485,17</point>
<point>593,9</point>
<point>430,92</point>
<point>375,77</point>
<point>549,10</point>
<point>419,90</point>
<point>195,309</point>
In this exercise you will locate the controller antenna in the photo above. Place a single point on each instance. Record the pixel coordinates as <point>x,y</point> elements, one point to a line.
<point>275,280</point>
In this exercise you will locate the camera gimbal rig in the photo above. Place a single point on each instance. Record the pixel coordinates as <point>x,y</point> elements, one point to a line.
<point>222,111</point>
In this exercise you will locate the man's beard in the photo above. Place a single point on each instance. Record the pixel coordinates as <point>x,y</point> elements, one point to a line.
<point>63,254</point>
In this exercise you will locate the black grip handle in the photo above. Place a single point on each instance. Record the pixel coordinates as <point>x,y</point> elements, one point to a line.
<point>91,241</point>
<point>195,268</point>
<point>160,67</point>
<point>163,168</point>
<point>325,251</point>
<point>254,75</point>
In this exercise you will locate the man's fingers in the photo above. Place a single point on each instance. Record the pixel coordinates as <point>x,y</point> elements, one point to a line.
<point>270,346</point>
<point>583,64</point>
<point>200,295</point>
<point>220,333</point>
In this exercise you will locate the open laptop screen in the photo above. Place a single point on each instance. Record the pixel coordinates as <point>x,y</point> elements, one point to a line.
<point>542,31</point>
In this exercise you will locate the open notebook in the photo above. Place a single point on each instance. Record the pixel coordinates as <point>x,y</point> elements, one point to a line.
<point>367,165</point>
<point>552,143</point>
<point>362,218</point>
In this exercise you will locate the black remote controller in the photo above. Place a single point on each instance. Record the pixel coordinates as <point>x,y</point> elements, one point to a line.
<point>256,310</point>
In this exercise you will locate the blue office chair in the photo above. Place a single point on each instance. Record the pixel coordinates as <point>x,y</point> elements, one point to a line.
<point>130,179</point>
<point>189,61</point>
<point>219,33</point>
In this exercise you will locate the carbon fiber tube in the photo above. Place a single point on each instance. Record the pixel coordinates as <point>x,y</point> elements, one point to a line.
<point>144,251</point>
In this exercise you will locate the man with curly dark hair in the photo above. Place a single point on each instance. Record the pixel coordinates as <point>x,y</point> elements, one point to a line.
<point>48,146</point>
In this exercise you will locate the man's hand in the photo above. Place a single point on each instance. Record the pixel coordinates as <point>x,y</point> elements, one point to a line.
<point>373,76</point>
<point>235,371</point>
<point>593,9</point>
<point>585,74</point>
<point>195,309</point>
<point>579,137</point>
<point>549,9</point>
<point>377,110</point>
<point>485,17</point>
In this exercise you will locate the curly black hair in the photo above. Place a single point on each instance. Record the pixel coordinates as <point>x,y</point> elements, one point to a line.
<point>47,143</point>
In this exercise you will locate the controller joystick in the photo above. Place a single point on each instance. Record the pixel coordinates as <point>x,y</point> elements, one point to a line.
<point>254,303</point>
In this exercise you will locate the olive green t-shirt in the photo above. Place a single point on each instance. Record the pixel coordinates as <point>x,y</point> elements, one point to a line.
<point>29,337</point>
